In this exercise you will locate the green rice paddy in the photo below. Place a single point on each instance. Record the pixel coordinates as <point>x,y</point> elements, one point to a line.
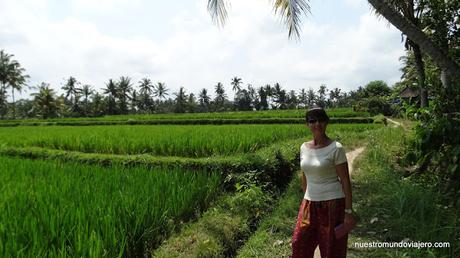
<point>293,113</point>
<point>161,140</point>
<point>51,209</point>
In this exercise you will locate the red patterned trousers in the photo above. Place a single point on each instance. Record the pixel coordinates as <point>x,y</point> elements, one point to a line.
<point>315,226</point>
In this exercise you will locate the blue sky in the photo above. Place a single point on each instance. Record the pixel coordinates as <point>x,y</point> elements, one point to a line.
<point>343,44</point>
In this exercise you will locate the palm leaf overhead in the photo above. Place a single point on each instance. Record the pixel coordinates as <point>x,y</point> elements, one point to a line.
<point>218,11</point>
<point>290,11</point>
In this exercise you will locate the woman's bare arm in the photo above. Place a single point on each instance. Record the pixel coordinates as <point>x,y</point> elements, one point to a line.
<point>342,172</point>
<point>304,182</point>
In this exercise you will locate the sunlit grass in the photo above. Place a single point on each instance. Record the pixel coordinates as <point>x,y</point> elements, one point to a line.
<point>163,140</point>
<point>293,113</point>
<point>57,210</point>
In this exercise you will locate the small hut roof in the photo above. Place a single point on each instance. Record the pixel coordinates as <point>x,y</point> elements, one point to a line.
<point>409,93</point>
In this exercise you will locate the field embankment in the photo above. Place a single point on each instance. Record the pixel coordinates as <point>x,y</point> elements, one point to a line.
<point>128,188</point>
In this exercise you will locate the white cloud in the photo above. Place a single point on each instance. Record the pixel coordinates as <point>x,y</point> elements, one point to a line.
<point>196,54</point>
<point>355,3</point>
<point>104,5</point>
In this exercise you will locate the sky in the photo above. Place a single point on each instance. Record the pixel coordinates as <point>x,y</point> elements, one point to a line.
<point>342,44</point>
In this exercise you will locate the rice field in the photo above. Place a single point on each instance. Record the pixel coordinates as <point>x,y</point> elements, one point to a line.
<point>50,209</point>
<point>53,208</point>
<point>160,140</point>
<point>293,113</point>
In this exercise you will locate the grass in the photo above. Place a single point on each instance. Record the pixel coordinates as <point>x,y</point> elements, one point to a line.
<point>273,236</point>
<point>394,208</point>
<point>225,226</point>
<point>65,209</point>
<point>59,210</point>
<point>221,229</point>
<point>205,239</point>
<point>163,140</point>
<point>399,208</point>
<point>295,113</point>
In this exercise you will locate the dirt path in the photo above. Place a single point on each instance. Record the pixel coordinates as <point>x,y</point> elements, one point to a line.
<point>396,124</point>
<point>351,158</point>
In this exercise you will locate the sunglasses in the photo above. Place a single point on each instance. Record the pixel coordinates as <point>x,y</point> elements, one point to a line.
<point>312,121</point>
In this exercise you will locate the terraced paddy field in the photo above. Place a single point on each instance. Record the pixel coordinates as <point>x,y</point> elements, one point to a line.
<point>55,206</point>
<point>51,209</point>
<point>162,140</point>
<point>284,114</point>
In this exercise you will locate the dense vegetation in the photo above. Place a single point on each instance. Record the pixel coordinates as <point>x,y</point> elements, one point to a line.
<point>390,207</point>
<point>267,114</point>
<point>162,140</point>
<point>59,210</point>
<point>64,209</point>
<point>134,209</point>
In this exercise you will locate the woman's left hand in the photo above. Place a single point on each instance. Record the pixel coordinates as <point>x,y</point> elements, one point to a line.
<point>350,219</point>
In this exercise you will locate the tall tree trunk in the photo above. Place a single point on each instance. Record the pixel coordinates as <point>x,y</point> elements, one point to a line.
<point>86,106</point>
<point>420,74</point>
<point>2,91</point>
<point>446,77</point>
<point>13,103</point>
<point>415,34</point>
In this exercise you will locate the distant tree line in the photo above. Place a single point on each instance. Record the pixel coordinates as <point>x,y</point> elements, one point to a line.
<point>123,96</point>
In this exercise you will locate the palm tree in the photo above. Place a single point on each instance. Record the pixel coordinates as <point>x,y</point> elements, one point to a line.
<point>236,84</point>
<point>5,68</point>
<point>111,91</point>
<point>292,101</point>
<point>334,97</point>
<point>252,94</point>
<point>220,95</point>
<point>87,91</point>
<point>181,101</point>
<point>280,96</point>
<point>124,87</point>
<point>302,98</point>
<point>145,86</point>
<point>263,102</point>
<point>16,81</point>
<point>97,105</point>
<point>160,91</point>
<point>269,92</point>
<point>45,101</point>
<point>311,97</point>
<point>291,11</point>
<point>71,89</point>
<point>146,89</point>
<point>11,75</point>
<point>135,101</point>
<point>3,103</point>
<point>204,100</point>
<point>321,101</point>
<point>416,35</point>
<point>412,11</point>
<point>191,103</point>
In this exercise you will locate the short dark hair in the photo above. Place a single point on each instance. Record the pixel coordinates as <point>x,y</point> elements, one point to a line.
<point>316,113</point>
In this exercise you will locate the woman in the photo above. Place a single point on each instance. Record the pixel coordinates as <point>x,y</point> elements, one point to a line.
<point>327,199</point>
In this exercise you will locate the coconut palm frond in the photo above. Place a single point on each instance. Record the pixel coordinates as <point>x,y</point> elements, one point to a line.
<point>291,12</point>
<point>218,11</point>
